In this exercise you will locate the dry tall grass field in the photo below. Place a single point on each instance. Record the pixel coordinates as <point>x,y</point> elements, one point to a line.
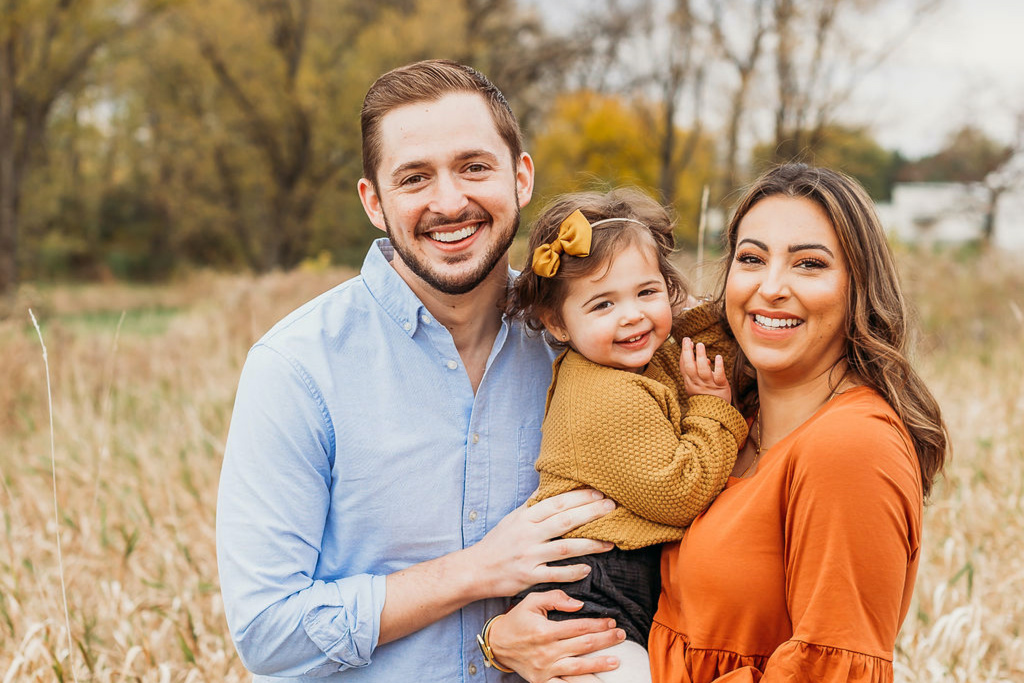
<point>142,387</point>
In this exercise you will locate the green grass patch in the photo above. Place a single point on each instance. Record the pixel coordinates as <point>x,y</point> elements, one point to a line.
<point>145,322</point>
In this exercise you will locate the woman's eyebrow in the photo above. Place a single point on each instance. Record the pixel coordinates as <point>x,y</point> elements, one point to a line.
<point>757,243</point>
<point>794,248</point>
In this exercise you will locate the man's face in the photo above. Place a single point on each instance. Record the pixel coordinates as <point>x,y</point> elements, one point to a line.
<point>448,194</point>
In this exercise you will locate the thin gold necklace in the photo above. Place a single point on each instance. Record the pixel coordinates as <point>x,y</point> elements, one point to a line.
<point>757,444</point>
<point>757,423</point>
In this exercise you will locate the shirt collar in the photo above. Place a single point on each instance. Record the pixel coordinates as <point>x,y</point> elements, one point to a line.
<point>393,293</point>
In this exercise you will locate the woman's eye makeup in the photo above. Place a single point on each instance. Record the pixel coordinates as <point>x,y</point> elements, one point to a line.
<point>805,263</point>
<point>748,258</point>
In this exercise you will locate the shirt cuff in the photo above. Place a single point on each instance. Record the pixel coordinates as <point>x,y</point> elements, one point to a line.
<point>343,620</point>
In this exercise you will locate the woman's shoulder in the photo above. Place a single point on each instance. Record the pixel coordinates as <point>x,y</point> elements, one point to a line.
<point>856,433</point>
<point>858,413</point>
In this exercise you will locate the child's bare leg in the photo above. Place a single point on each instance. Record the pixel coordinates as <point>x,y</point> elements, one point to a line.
<point>634,666</point>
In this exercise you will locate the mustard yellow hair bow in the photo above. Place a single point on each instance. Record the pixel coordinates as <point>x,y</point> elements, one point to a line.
<point>574,235</point>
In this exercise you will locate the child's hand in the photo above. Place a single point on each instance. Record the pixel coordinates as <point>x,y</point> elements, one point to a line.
<point>698,375</point>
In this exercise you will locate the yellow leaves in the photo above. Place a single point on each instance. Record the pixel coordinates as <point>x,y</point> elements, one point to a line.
<point>591,137</point>
<point>595,140</point>
<point>433,29</point>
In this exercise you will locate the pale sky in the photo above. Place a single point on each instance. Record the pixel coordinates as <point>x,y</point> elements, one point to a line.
<point>963,64</point>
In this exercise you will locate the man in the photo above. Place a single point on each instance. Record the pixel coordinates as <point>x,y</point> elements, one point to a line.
<point>370,510</point>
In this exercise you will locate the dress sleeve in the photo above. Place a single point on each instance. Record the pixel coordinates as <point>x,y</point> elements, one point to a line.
<point>852,533</point>
<point>272,505</point>
<point>627,447</point>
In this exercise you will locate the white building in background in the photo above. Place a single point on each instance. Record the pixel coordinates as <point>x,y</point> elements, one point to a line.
<point>951,213</point>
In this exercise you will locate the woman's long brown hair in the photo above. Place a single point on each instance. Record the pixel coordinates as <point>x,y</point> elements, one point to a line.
<point>877,332</point>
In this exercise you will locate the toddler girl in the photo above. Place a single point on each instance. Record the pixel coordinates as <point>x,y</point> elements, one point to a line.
<point>630,412</point>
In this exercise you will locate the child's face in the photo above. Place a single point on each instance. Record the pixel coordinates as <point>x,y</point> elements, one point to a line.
<point>619,315</point>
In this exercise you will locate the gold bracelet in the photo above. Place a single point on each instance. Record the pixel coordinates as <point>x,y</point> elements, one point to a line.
<point>483,641</point>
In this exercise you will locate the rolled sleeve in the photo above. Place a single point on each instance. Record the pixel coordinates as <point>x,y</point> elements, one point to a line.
<point>345,625</point>
<point>273,501</point>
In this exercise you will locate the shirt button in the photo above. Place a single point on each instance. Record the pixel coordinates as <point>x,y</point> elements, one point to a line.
<point>476,438</point>
<point>407,326</point>
<point>425,319</point>
<point>472,515</point>
<point>472,669</point>
<point>452,365</point>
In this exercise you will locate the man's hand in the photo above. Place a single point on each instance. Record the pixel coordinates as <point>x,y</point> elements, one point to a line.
<point>510,558</point>
<point>513,556</point>
<point>698,375</point>
<point>543,650</point>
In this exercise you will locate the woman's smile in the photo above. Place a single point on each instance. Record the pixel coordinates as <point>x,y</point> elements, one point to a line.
<point>776,323</point>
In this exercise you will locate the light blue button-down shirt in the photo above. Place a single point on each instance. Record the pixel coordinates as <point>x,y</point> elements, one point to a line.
<point>357,448</point>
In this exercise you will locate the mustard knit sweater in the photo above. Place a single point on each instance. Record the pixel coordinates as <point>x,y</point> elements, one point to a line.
<point>638,439</point>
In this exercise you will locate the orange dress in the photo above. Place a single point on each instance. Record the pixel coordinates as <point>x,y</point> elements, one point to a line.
<point>803,571</point>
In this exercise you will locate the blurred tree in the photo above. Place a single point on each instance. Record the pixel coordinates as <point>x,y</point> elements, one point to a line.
<point>597,141</point>
<point>243,116</point>
<point>510,42</point>
<point>785,65</point>
<point>971,156</point>
<point>968,156</point>
<point>46,48</point>
<point>849,149</point>
<point>655,52</point>
<point>679,75</point>
<point>820,53</point>
<point>276,95</point>
<point>742,52</point>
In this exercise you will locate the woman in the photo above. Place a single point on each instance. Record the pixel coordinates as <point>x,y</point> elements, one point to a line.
<point>803,568</point>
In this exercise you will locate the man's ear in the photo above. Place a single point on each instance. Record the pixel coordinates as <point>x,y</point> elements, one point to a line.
<point>524,179</point>
<point>371,203</point>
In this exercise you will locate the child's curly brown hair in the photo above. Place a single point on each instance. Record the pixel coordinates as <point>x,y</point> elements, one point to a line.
<point>533,297</point>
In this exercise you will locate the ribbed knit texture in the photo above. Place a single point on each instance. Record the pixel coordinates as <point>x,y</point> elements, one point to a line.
<point>638,438</point>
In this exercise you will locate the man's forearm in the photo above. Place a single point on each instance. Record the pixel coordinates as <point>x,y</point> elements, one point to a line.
<point>512,557</point>
<point>419,595</point>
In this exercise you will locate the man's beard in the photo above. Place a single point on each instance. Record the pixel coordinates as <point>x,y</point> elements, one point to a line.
<point>457,284</point>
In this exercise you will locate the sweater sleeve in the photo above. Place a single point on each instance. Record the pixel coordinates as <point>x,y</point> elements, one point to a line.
<point>626,446</point>
<point>704,324</point>
<point>852,530</point>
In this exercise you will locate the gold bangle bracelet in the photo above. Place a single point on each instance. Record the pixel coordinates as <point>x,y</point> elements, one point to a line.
<point>483,640</point>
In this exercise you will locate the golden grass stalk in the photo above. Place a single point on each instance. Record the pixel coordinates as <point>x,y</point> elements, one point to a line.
<point>56,504</point>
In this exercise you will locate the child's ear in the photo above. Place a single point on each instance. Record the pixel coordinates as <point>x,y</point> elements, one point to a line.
<point>554,327</point>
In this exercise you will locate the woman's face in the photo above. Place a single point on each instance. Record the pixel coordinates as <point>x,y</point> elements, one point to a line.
<point>786,293</point>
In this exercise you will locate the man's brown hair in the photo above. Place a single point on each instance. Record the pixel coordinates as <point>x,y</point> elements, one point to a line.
<point>429,81</point>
